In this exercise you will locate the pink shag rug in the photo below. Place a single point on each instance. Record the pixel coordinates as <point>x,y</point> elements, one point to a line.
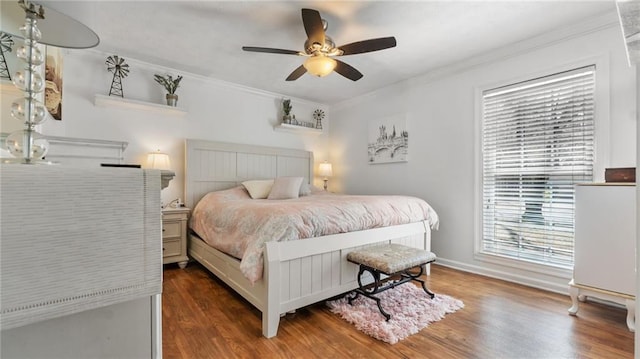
<point>411,310</point>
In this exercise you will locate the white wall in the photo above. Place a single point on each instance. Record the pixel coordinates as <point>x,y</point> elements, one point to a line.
<point>443,143</point>
<point>216,111</point>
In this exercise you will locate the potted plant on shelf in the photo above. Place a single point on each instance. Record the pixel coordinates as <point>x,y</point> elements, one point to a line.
<point>286,110</point>
<point>171,85</point>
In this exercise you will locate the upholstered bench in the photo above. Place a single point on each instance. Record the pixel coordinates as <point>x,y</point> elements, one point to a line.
<point>399,263</point>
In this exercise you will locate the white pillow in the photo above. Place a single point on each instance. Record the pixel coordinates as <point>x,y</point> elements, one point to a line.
<point>285,188</point>
<point>258,189</point>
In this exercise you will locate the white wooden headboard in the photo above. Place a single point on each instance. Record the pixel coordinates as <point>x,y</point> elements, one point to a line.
<point>213,166</point>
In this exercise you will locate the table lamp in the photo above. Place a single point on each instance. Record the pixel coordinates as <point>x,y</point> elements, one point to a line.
<point>325,170</point>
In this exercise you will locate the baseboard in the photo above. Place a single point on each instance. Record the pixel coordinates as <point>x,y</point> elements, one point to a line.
<point>528,281</point>
<point>509,277</point>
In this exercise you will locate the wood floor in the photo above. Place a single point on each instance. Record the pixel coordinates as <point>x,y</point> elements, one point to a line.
<point>203,318</point>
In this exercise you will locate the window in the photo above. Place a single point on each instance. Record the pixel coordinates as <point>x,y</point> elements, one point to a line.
<point>537,142</point>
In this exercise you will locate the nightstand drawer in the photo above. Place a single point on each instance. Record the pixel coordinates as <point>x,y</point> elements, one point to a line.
<point>171,229</point>
<point>171,247</point>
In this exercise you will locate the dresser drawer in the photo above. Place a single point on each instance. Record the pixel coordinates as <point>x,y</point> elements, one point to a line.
<point>171,247</point>
<point>171,229</point>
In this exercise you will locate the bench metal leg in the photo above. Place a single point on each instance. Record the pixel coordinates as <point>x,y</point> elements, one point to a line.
<point>357,293</point>
<point>416,277</point>
<point>378,285</point>
<point>377,288</point>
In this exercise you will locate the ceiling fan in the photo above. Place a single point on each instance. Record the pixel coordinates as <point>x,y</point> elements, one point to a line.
<point>320,50</point>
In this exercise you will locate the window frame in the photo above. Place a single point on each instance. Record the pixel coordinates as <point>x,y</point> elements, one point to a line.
<point>601,154</point>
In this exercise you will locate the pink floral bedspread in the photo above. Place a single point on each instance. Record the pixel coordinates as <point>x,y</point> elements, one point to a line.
<point>232,222</point>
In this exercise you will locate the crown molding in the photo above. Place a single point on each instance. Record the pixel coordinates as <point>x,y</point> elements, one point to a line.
<point>549,38</point>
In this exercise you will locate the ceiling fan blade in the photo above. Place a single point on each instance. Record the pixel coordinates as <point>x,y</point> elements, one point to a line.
<point>313,26</point>
<point>368,45</point>
<point>270,50</point>
<point>347,71</point>
<point>297,73</point>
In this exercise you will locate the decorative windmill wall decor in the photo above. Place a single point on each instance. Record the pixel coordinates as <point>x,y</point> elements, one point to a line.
<point>116,65</point>
<point>5,46</point>
<point>318,115</point>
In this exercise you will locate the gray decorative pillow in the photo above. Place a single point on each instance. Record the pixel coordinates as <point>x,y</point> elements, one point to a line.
<point>305,189</point>
<point>285,188</point>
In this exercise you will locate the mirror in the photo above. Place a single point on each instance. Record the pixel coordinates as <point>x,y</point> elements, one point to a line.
<point>57,28</point>
<point>629,14</point>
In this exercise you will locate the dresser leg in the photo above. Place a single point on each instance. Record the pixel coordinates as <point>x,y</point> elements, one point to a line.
<point>182,265</point>
<point>631,314</point>
<point>574,293</point>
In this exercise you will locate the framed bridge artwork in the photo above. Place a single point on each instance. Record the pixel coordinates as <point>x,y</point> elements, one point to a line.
<point>388,140</point>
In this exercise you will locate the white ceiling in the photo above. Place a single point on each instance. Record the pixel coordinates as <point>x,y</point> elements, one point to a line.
<point>206,37</point>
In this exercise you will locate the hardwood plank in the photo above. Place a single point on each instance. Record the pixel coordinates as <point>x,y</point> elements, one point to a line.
<point>203,318</point>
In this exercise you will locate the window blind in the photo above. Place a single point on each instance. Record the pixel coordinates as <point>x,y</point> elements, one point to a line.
<point>537,143</point>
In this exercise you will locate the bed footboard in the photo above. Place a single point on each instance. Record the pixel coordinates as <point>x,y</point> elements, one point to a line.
<point>303,272</point>
<point>300,273</point>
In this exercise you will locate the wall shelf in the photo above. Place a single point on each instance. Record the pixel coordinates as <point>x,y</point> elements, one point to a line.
<point>283,127</point>
<point>111,101</point>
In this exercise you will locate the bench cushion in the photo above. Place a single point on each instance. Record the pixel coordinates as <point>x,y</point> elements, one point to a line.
<point>391,258</point>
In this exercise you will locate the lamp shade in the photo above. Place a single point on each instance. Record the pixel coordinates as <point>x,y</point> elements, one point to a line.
<point>325,170</point>
<point>158,161</point>
<point>320,65</point>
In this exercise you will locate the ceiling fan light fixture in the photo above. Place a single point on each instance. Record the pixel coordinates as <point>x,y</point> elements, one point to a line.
<point>320,65</point>
<point>320,49</point>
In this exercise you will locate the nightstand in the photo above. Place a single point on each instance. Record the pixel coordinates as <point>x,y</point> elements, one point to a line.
<point>174,236</point>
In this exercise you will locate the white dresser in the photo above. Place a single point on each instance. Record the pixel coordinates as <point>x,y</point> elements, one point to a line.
<point>80,262</point>
<point>605,238</point>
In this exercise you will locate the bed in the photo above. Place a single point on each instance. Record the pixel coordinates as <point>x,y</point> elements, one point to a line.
<point>295,273</point>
